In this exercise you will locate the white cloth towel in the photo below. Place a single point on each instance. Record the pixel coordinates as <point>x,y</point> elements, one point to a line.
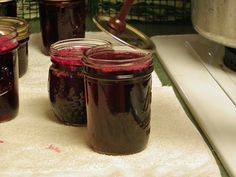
<point>36,144</point>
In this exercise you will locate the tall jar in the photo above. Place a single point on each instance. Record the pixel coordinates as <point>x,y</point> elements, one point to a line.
<point>9,94</point>
<point>118,99</point>
<point>22,28</point>
<point>8,8</point>
<point>66,80</point>
<point>61,19</point>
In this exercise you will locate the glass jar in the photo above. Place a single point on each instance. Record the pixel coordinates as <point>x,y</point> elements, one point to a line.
<point>22,28</point>
<point>9,94</point>
<point>61,19</point>
<point>8,8</point>
<point>66,80</point>
<point>118,99</point>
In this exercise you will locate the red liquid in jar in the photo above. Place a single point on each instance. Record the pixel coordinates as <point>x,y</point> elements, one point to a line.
<point>66,86</point>
<point>9,100</point>
<point>61,20</point>
<point>118,105</point>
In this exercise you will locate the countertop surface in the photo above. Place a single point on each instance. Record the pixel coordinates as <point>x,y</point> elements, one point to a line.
<point>197,77</point>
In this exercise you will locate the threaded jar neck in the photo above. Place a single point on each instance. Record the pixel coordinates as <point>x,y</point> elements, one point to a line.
<point>70,51</point>
<point>117,63</point>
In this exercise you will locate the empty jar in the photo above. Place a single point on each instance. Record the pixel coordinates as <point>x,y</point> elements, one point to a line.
<point>8,8</point>
<point>9,94</point>
<point>66,79</point>
<point>22,28</point>
<point>61,19</point>
<point>118,99</point>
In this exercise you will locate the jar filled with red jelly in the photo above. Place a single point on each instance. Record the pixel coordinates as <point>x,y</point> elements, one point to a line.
<point>8,8</point>
<point>66,80</point>
<point>118,87</point>
<point>22,28</point>
<point>61,19</point>
<point>9,93</point>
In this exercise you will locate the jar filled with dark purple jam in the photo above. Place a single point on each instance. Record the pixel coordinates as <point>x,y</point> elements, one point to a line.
<point>8,8</point>
<point>66,80</point>
<point>118,99</point>
<point>9,94</point>
<point>61,19</point>
<point>22,28</point>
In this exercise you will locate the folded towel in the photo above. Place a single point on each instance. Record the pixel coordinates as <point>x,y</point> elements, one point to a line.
<point>36,144</point>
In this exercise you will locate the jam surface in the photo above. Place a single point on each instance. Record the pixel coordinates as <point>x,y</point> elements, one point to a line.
<point>61,20</point>
<point>6,44</point>
<point>66,87</point>
<point>124,66</point>
<point>118,103</point>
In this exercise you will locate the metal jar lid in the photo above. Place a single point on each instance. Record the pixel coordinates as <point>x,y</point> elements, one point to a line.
<point>21,26</point>
<point>130,36</point>
<point>8,30</point>
<point>1,1</point>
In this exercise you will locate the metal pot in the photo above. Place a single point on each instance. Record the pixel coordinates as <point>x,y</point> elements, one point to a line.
<point>215,20</point>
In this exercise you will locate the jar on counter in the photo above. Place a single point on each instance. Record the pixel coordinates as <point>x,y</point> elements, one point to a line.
<point>8,8</point>
<point>22,28</point>
<point>61,19</point>
<point>9,93</point>
<point>118,99</point>
<point>66,80</point>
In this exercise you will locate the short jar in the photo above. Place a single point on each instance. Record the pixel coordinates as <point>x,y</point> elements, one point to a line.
<point>22,28</point>
<point>61,19</point>
<point>118,99</point>
<point>8,8</point>
<point>66,80</point>
<point>9,92</point>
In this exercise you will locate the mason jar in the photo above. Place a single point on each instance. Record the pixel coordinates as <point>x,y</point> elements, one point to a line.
<point>22,28</point>
<point>9,92</point>
<point>66,80</point>
<point>8,8</point>
<point>61,19</point>
<point>118,99</point>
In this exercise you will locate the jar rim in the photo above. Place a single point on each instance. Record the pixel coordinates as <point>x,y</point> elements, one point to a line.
<point>6,1</point>
<point>77,42</point>
<point>8,30</point>
<point>76,48</point>
<point>99,57</point>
